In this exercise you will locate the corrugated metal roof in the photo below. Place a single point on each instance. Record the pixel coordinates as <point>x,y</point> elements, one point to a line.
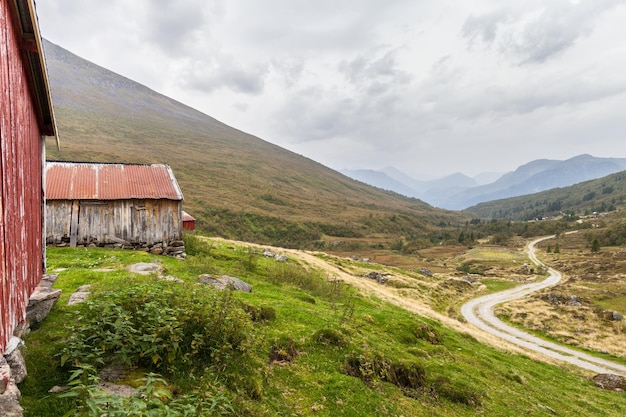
<point>187,217</point>
<point>92,181</point>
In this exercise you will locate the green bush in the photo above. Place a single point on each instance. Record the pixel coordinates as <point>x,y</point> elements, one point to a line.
<point>153,398</point>
<point>158,327</point>
<point>406,375</point>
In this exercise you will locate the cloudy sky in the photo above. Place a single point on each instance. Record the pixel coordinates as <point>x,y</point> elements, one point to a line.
<point>430,87</point>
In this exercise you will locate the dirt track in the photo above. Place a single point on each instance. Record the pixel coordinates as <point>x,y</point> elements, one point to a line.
<point>479,312</point>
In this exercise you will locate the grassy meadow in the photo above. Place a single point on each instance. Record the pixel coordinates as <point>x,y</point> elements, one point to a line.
<point>302,343</point>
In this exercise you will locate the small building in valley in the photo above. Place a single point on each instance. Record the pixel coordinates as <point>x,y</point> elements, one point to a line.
<point>189,223</point>
<point>114,205</point>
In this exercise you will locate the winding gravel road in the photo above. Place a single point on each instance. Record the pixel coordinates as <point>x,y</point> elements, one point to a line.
<point>479,312</point>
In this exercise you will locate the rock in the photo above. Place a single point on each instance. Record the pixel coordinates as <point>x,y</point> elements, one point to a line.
<point>281,258</point>
<point>5,374</point>
<point>17,365</point>
<point>224,282</point>
<point>121,390</point>
<point>211,280</point>
<point>9,393</point>
<point>469,279</point>
<point>268,253</point>
<point>112,373</point>
<point>116,241</point>
<point>610,382</point>
<point>177,243</point>
<point>22,329</point>
<point>380,278</point>
<point>10,406</point>
<point>58,389</point>
<point>48,280</point>
<point>80,295</point>
<point>617,316</point>
<point>426,271</point>
<point>40,303</point>
<point>144,268</point>
<point>173,279</point>
<point>157,250</point>
<point>237,284</point>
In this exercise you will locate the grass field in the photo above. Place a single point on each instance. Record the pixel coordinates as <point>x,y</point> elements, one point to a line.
<point>321,348</point>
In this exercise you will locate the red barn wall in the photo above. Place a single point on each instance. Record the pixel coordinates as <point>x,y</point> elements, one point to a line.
<point>21,168</point>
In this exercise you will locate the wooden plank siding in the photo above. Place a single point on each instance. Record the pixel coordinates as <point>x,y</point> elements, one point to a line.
<point>21,170</point>
<point>102,221</point>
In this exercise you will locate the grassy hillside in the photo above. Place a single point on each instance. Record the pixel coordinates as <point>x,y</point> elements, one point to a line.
<point>604,194</point>
<point>235,184</point>
<point>299,345</point>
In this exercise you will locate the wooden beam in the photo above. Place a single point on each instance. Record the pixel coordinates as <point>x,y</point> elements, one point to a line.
<point>74,224</point>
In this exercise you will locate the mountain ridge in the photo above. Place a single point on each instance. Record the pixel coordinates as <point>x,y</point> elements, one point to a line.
<point>455,192</point>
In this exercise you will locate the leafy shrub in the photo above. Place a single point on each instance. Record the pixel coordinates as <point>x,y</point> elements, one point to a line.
<point>152,399</point>
<point>158,327</point>
<point>329,337</point>
<point>260,314</point>
<point>408,376</point>
<point>195,246</point>
<point>458,392</point>
<point>283,350</point>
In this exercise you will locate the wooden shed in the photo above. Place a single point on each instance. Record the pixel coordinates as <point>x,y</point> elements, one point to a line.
<point>119,205</point>
<point>26,116</point>
<point>189,223</point>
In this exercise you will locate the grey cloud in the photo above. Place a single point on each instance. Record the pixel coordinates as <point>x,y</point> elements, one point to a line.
<point>484,27</point>
<point>375,74</point>
<point>537,34</point>
<point>175,26</point>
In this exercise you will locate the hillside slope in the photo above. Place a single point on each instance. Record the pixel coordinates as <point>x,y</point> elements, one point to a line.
<point>602,194</point>
<point>235,184</point>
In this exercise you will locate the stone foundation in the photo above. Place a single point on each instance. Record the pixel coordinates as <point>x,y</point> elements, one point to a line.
<point>175,248</point>
<point>12,366</point>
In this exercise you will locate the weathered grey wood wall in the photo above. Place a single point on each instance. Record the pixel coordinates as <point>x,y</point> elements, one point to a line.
<point>106,221</point>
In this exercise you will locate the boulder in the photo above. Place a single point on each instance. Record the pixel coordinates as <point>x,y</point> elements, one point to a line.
<point>617,316</point>
<point>425,271</point>
<point>146,268</point>
<point>40,303</point>
<point>610,381</point>
<point>9,393</point>
<point>380,278</point>
<point>173,279</point>
<point>17,365</point>
<point>48,280</point>
<point>224,282</point>
<point>80,295</point>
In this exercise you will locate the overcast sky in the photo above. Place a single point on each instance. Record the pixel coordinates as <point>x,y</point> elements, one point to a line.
<point>429,87</point>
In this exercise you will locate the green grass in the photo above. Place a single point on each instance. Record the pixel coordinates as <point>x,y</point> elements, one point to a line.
<point>326,352</point>
<point>495,285</point>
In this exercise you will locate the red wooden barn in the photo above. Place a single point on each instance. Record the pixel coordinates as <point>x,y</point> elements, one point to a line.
<point>26,117</point>
<point>189,223</point>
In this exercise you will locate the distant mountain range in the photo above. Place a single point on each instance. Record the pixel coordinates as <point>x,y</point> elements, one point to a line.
<point>458,191</point>
<point>584,198</point>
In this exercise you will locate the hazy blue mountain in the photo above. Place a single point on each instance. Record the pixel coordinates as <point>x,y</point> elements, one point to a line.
<point>458,191</point>
<point>533,177</point>
<point>379,179</point>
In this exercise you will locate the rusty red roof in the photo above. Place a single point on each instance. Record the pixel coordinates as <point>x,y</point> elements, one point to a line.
<point>92,181</point>
<point>187,217</point>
